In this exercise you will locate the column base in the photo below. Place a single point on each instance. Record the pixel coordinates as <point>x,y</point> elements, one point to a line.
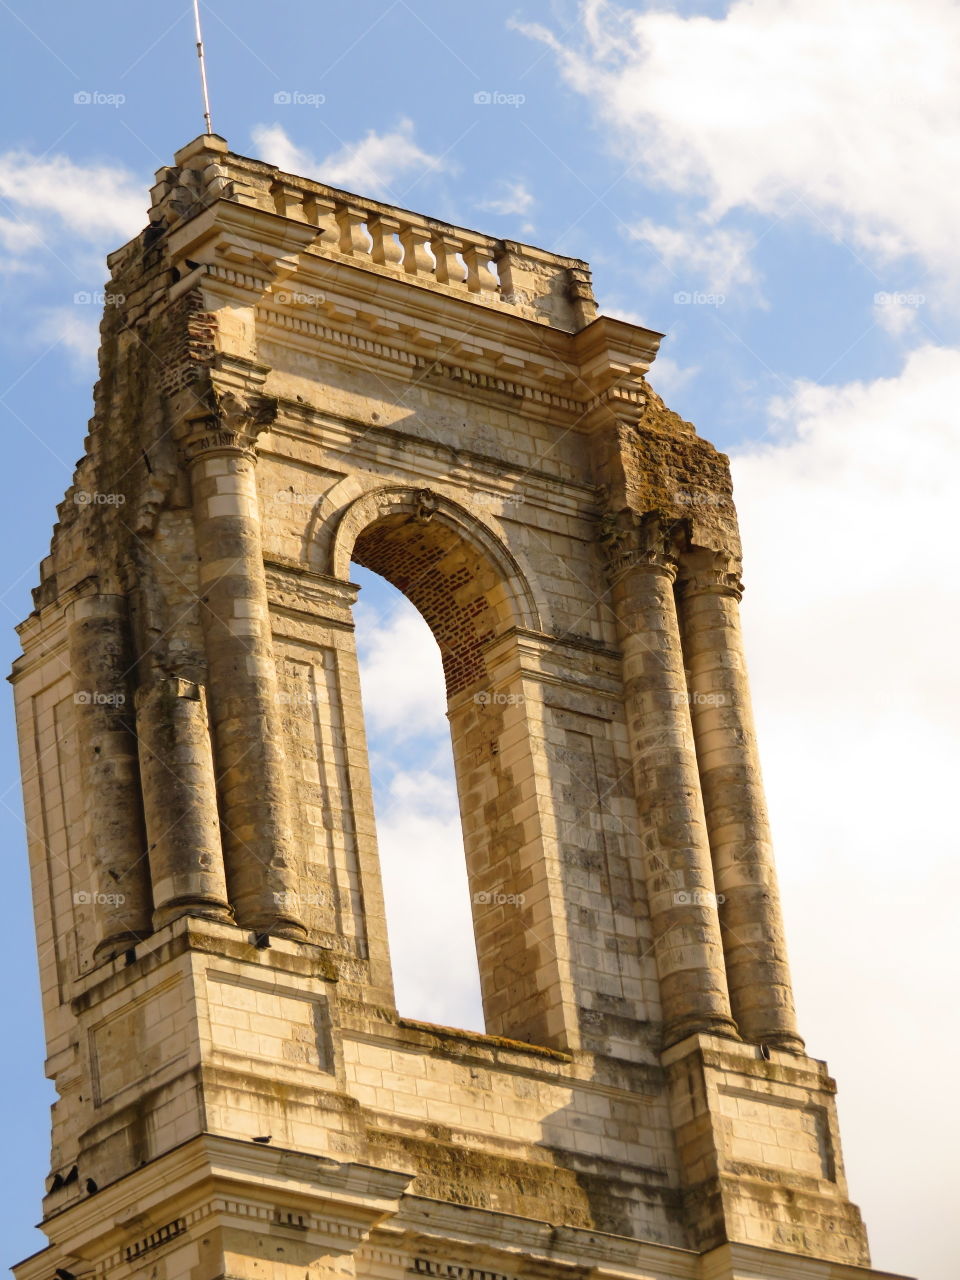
<point>204,908</point>
<point>287,928</point>
<point>783,1040</point>
<point>717,1025</point>
<point>115,945</point>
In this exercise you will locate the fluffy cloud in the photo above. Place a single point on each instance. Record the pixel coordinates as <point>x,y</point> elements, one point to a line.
<point>510,197</point>
<point>844,113</point>
<point>899,312</point>
<point>60,216</point>
<point>370,166</point>
<point>402,674</point>
<point>76,329</point>
<point>99,203</point>
<point>428,898</point>
<point>700,257</point>
<point>670,378</point>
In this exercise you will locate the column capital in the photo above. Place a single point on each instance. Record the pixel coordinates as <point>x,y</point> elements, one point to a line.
<point>226,423</point>
<point>630,540</point>
<point>709,572</point>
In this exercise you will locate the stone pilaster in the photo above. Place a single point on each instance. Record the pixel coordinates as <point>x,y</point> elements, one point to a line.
<point>753,937</point>
<point>100,659</point>
<point>672,826</point>
<point>252,780</point>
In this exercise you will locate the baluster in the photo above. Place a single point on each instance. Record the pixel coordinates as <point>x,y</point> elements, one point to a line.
<point>322,214</point>
<point>352,237</point>
<point>480,278</point>
<point>417,260</point>
<point>445,249</point>
<point>386,251</point>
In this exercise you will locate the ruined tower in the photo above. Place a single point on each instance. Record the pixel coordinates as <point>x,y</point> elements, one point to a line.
<point>293,378</point>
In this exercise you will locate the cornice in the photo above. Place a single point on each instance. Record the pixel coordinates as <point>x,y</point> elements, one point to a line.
<point>396,358</point>
<point>479,339</point>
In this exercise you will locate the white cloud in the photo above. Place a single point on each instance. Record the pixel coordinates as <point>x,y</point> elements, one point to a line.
<point>97,202</point>
<point>845,113</point>
<point>74,328</point>
<point>276,147</point>
<point>852,620</point>
<point>370,166</point>
<point>708,258</point>
<point>428,900</point>
<point>669,378</point>
<point>898,312</point>
<point>512,197</point>
<point>16,236</point>
<point>403,686</point>
<point>61,216</point>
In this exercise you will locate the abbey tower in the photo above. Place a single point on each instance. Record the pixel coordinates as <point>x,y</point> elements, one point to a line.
<point>293,379</point>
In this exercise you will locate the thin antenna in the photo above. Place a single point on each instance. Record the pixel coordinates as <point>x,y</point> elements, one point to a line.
<point>203,68</point>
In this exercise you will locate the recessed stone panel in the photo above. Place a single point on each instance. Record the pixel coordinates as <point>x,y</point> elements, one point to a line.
<point>267,1022</point>
<point>774,1131</point>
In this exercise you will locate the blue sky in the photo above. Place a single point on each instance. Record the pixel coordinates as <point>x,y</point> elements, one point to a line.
<point>769,184</point>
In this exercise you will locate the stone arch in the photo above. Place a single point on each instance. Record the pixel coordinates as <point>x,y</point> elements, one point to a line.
<point>449,565</point>
<point>481,610</point>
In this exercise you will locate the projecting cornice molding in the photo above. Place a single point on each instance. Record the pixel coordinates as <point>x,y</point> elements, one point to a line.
<point>360,300</point>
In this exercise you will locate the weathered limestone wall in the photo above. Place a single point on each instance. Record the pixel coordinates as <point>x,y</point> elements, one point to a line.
<point>294,379</point>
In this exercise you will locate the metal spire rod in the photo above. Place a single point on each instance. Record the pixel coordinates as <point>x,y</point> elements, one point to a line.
<point>203,68</point>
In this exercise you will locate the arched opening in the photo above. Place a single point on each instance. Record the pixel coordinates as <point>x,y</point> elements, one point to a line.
<point>420,838</point>
<point>479,609</point>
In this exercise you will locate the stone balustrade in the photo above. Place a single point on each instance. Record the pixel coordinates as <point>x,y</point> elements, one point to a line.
<point>540,285</point>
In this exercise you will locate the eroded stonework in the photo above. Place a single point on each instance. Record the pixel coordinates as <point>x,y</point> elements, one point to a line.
<point>294,378</point>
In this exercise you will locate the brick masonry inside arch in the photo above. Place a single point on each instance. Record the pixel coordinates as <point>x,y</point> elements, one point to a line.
<point>445,580</point>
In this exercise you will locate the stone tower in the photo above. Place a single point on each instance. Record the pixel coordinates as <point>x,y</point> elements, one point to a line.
<point>294,378</point>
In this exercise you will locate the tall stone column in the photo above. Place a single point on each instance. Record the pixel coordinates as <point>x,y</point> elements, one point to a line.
<point>101,660</point>
<point>672,827</point>
<point>251,768</point>
<point>753,937</point>
<point>180,802</point>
